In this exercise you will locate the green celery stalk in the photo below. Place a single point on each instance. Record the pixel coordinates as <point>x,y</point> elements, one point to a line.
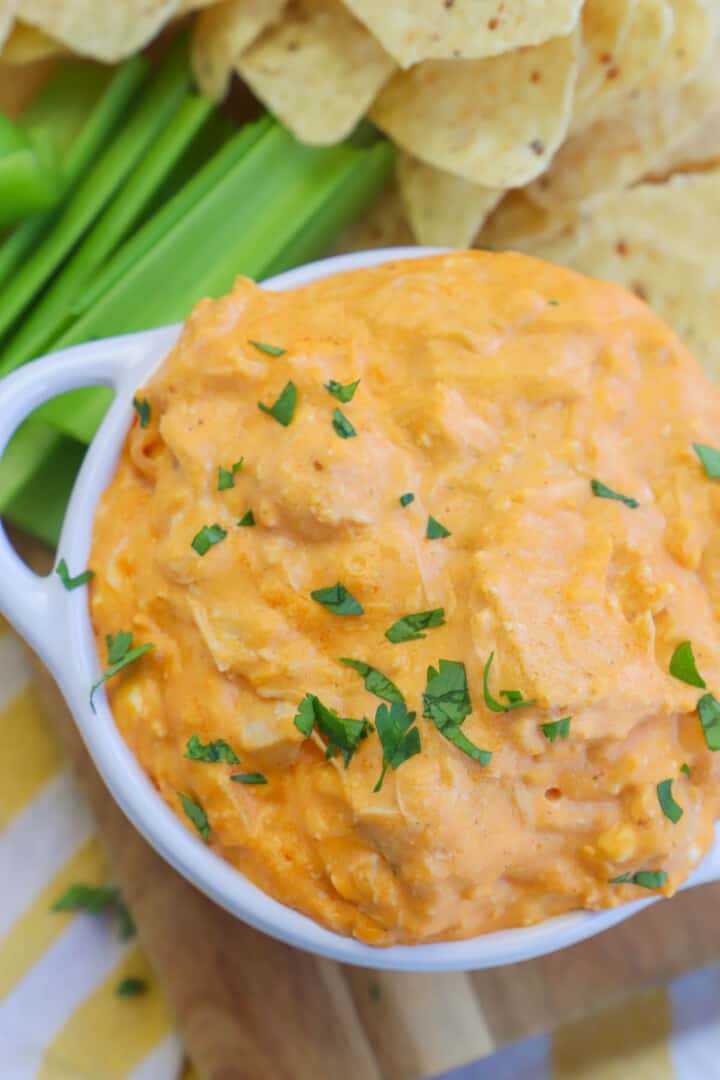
<point>30,178</point>
<point>66,100</point>
<point>31,448</point>
<point>235,229</point>
<point>165,92</point>
<point>39,507</point>
<point>200,185</point>
<point>49,317</point>
<point>84,148</point>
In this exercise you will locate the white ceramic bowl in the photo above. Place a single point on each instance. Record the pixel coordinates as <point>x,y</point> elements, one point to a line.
<point>56,624</point>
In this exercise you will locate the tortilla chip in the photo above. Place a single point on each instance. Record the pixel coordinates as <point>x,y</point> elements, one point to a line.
<point>620,149</point>
<point>318,70</point>
<point>27,44</point>
<point>222,33</point>
<point>7,14</point>
<point>443,210</point>
<point>188,6</point>
<point>701,149</point>
<point>463,29</point>
<point>104,29</point>
<point>691,41</point>
<point>384,224</point>
<point>635,64</point>
<point>605,25</point>
<point>519,224</point>
<point>663,242</point>
<point>495,122</point>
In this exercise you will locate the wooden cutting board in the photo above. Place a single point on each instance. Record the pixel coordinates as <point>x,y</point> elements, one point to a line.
<point>249,1006</point>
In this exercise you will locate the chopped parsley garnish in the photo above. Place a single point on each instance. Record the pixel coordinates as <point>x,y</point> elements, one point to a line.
<point>269,350</point>
<point>553,303</point>
<point>410,627</point>
<point>684,668</point>
<point>91,899</point>
<point>710,458</point>
<point>446,701</point>
<point>407,498</point>
<point>212,752</point>
<point>127,928</point>
<point>283,409</point>
<point>344,392</point>
<point>375,681</point>
<point>249,778</point>
<point>646,879</point>
<point>515,700</point>
<point>131,986</point>
<point>668,805</point>
<point>434,530</point>
<point>400,740</point>
<point>604,492</point>
<point>557,729</point>
<point>342,425</point>
<point>685,768</point>
<point>338,600</point>
<point>709,712</point>
<point>196,815</point>
<point>142,408</point>
<point>226,477</point>
<point>71,583</point>
<point>120,654</point>
<point>374,991</point>
<point>209,534</point>
<point>247,520</point>
<point>342,734</point>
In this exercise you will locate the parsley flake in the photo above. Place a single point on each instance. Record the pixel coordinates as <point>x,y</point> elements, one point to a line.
<point>668,805</point>
<point>684,668</point>
<point>249,778</point>
<point>269,350</point>
<point>343,392</point>
<point>92,899</point>
<point>553,303</point>
<point>646,879</point>
<point>226,477</point>
<point>247,520</point>
<point>338,600</point>
<point>710,459</point>
<point>375,681</point>
<point>142,408</point>
<point>131,986</point>
<point>400,740</point>
<point>342,733</point>
<point>515,700</point>
<point>434,530</point>
<point>120,654</point>
<point>446,701</point>
<point>212,752</point>
<point>283,409</point>
<point>556,729</point>
<point>209,535</point>
<point>342,425</point>
<point>709,712</point>
<point>407,498</point>
<point>71,583</point>
<point>604,492</point>
<point>196,815</point>
<point>685,768</point>
<point>409,627</point>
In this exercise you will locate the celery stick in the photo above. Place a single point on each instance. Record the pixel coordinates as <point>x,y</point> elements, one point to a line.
<point>158,226</point>
<point>164,94</point>
<point>66,100</point>
<point>32,446</point>
<point>92,138</point>
<point>30,178</point>
<point>40,507</point>
<point>51,314</point>
<point>235,229</point>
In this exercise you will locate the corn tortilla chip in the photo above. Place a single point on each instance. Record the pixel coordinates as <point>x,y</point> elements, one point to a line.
<point>663,242</point>
<point>222,33</point>
<point>104,29</point>
<point>384,224</point>
<point>605,25</point>
<point>519,224</point>
<point>692,38</point>
<point>443,210</point>
<point>462,29</point>
<point>495,122</point>
<point>7,12</point>
<point>620,149</point>
<point>27,44</point>
<point>701,149</point>
<point>318,70</point>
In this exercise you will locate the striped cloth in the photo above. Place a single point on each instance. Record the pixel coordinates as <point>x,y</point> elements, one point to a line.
<point>60,1018</point>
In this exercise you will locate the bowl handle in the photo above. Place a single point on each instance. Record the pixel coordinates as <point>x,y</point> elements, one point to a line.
<point>28,600</point>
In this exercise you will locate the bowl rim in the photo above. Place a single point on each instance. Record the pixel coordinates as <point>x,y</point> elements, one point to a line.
<point>58,626</point>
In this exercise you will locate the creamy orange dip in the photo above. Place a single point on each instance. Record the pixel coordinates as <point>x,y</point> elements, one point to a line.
<point>494,388</point>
